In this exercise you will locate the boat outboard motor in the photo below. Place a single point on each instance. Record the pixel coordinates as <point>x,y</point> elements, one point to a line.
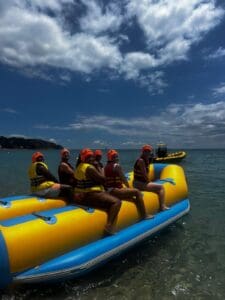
<point>162,150</point>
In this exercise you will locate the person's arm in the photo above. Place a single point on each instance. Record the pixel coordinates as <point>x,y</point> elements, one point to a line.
<point>98,166</point>
<point>65,168</point>
<point>95,175</point>
<point>41,170</point>
<point>119,171</point>
<point>141,165</point>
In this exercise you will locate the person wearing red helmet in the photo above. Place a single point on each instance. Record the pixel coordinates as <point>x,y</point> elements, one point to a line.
<point>44,183</point>
<point>90,182</point>
<point>115,179</point>
<point>65,169</point>
<point>97,162</point>
<point>141,178</point>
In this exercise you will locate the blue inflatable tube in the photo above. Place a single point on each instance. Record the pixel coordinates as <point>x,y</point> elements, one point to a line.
<point>6,277</point>
<point>82,260</point>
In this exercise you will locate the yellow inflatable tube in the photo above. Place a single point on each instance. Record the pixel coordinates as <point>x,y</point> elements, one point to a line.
<point>31,240</point>
<point>15,206</point>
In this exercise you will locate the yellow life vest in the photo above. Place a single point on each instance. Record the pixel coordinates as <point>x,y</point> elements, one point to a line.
<point>38,182</point>
<point>83,183</point>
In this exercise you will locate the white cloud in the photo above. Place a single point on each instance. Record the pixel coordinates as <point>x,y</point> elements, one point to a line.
<point>65,77</point>
<point>38,72</point>
<point>52,140</point>
<point>135,62</point>
<point>35,39</point>
<point>197,124</point>
<point>132,144</point>
<point>218,91</point>
<point>18,135</point>
<point>9,110</point>
<point>154,82</point>
<point>99,143</point>
<point>37,35</point>
<point>173,26</point>
<point>96,21</point>
<point>220,52</point>
<point>55,5</point>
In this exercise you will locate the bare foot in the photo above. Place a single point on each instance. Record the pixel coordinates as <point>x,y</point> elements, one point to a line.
<point>108,231</point>
<point>147,217</point>
<point>163,208</point>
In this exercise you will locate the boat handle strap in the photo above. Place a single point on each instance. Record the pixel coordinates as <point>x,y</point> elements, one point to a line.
<point>44,218</point>
<point>170,180</point>
<point>3,202</point>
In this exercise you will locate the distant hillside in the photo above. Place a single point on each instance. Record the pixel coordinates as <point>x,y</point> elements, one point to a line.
<point>22,143</point>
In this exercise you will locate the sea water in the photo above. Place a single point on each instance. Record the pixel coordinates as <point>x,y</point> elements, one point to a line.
<point>186,261</point>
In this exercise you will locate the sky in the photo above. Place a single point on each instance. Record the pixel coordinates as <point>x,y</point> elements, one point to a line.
<point>113,74</point>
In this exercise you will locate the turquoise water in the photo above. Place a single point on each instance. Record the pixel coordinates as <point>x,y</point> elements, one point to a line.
<point>187,261</point>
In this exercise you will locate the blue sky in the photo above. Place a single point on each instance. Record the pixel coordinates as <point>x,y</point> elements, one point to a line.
<point>91,73</point>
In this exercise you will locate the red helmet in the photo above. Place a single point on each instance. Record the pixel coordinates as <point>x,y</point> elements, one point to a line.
<point>85,153</point>
<point>64,151</point>
<point>111,153</point>
<point>36,155</point>
<point>98,153</point>
<point>147,148</point>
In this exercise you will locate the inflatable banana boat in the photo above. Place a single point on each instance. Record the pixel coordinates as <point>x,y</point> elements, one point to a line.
<point>45,240</point>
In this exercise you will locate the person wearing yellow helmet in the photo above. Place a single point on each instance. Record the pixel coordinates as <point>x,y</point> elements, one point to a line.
<point>141,176</point>
<point>115,181</point>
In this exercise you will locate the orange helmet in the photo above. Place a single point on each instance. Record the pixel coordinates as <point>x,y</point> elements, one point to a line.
<point>36,155</point>
<point>85,153</point>
<point>98,153</point>
<point>64,151</point>
<point>147,148</point>
<point>111,153</point>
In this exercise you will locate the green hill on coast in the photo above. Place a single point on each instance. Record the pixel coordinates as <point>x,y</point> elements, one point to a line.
<point>24,143</point>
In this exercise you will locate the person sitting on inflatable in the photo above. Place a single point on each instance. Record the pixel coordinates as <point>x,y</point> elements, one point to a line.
<point>90,182</point>
<point>43,183</point>
<point>65,169</point>
<point>115,179</point>
<point>141,178</point>
<point>97,163</point>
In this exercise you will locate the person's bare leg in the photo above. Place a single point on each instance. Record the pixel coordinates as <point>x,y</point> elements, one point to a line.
<point>113,211</point>
<point>162,205</point>
<point>138,199</point>
<point>159,190</point>
<point>133,195</point>
<point>104,201</point>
